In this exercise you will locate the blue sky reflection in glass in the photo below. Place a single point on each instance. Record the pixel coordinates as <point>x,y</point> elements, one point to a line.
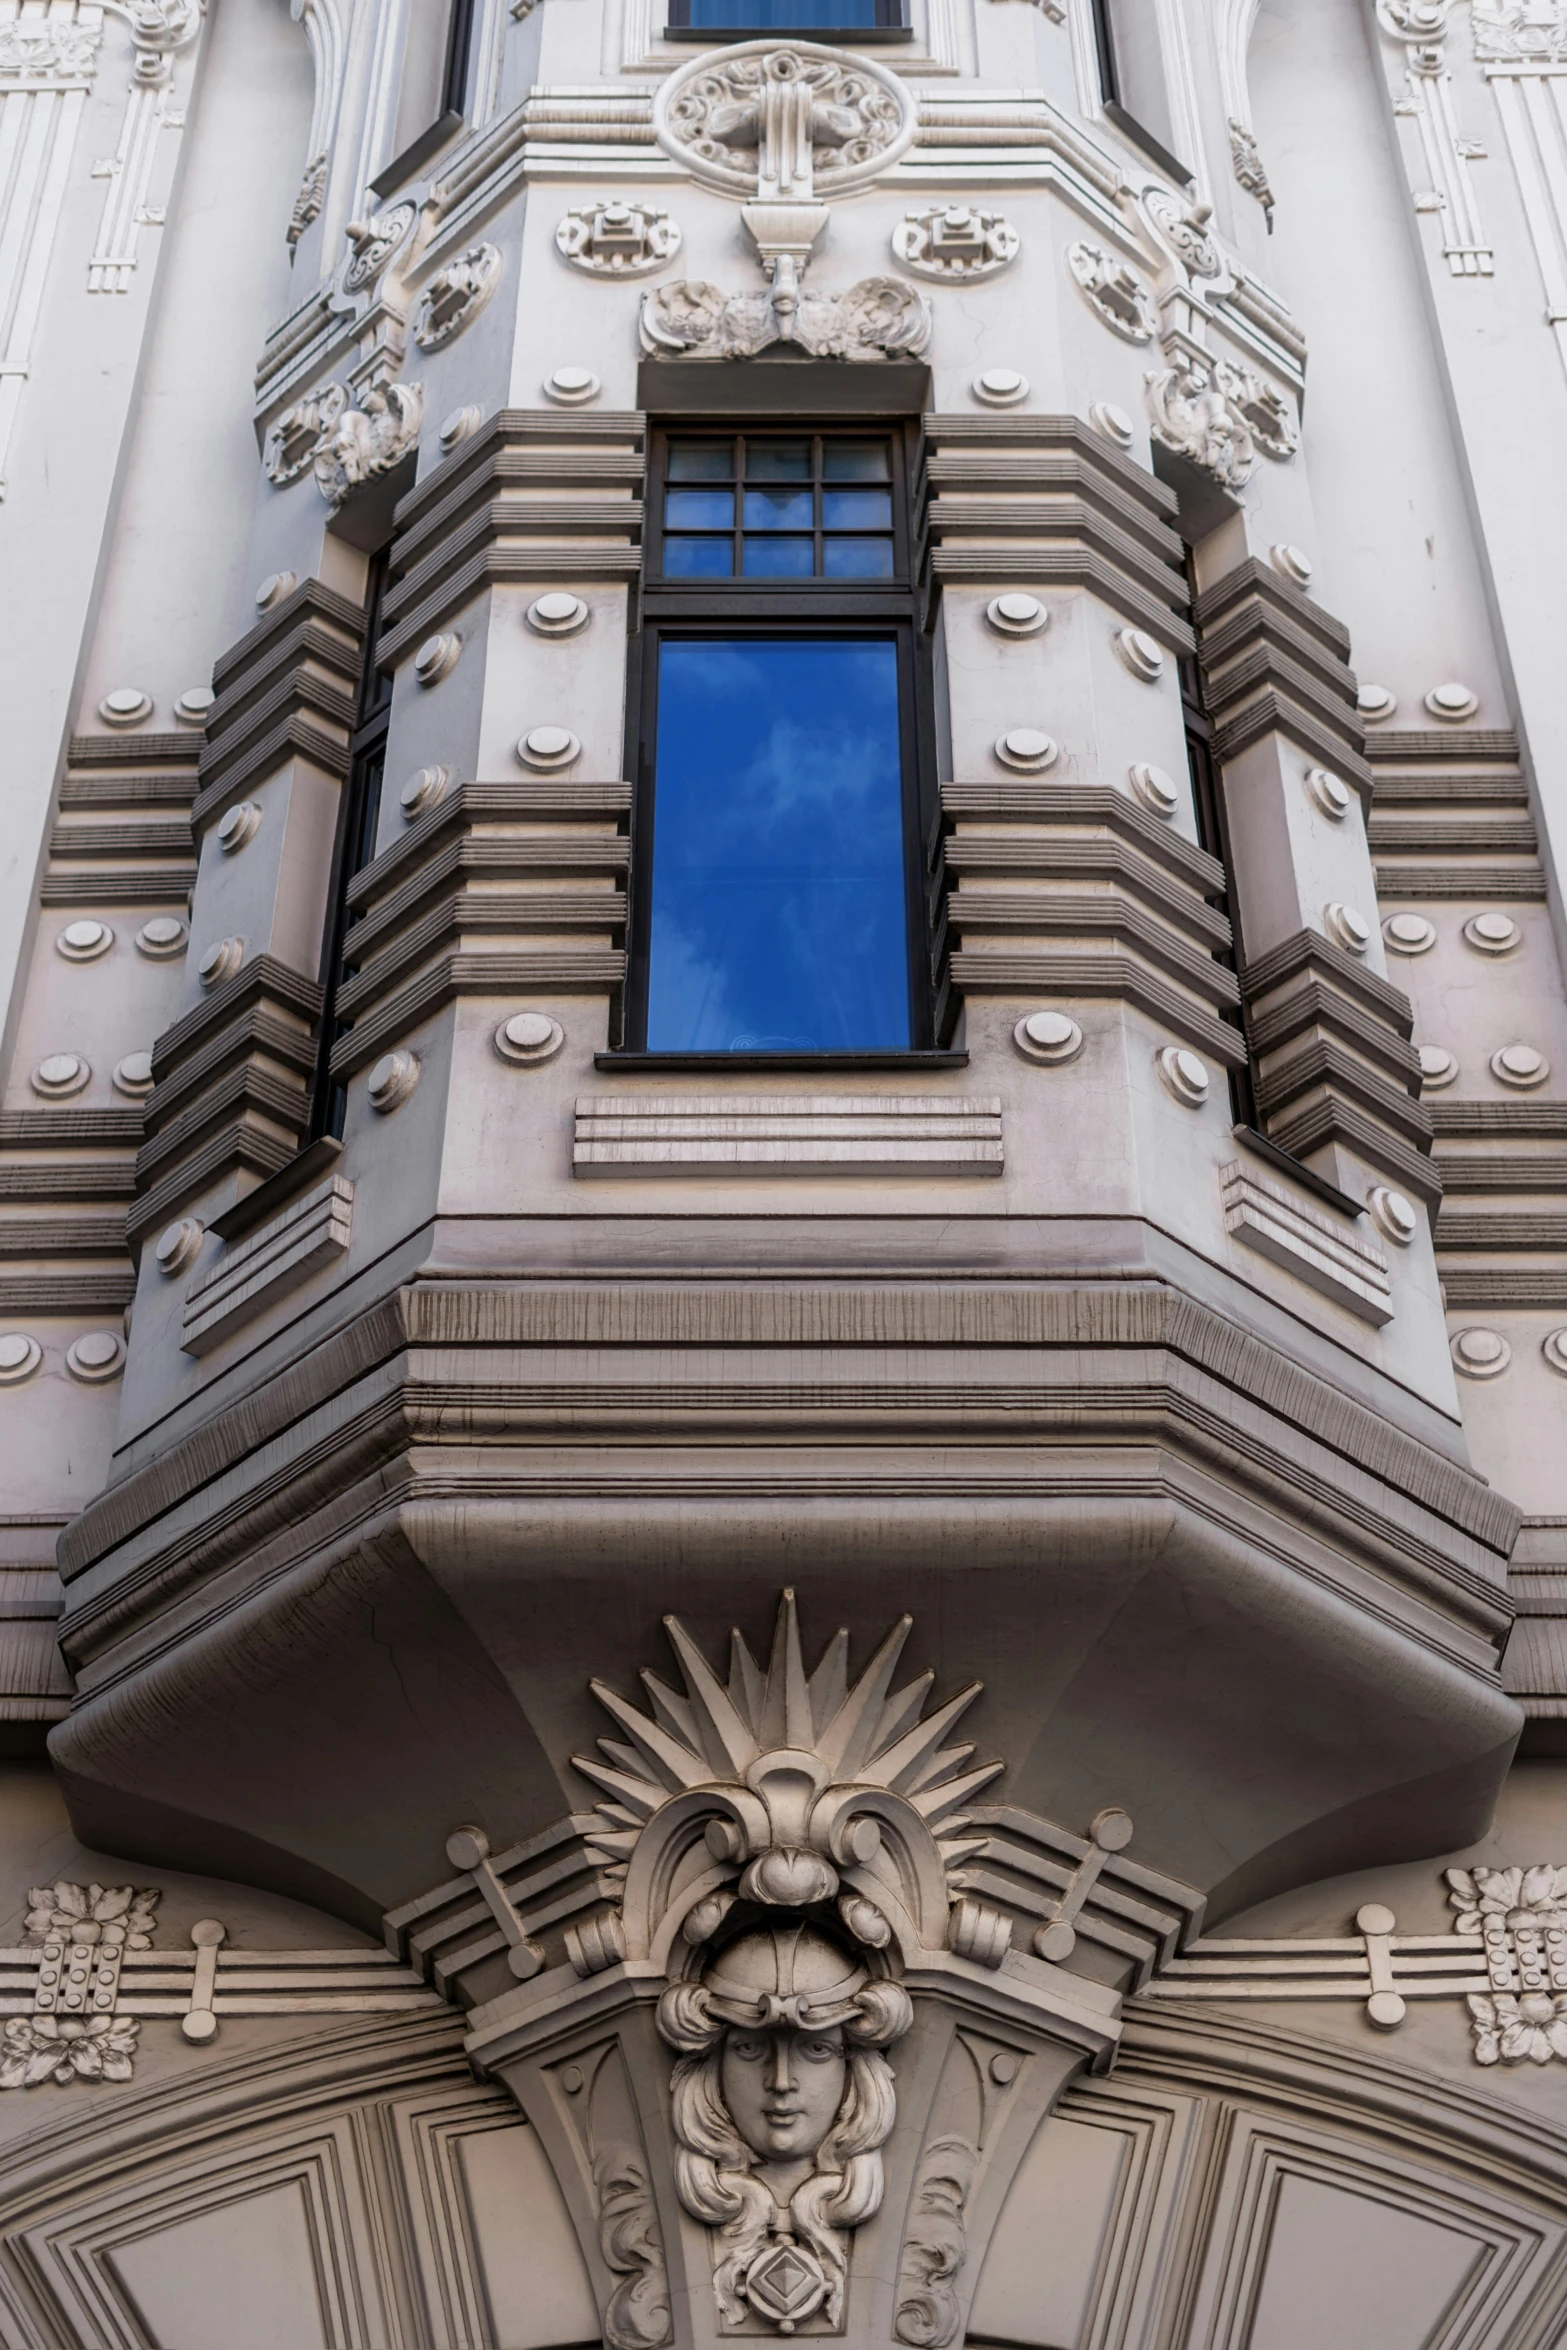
<point>779,920</point>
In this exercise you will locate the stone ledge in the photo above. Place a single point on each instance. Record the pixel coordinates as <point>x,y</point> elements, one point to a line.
<point>1324,1255</point>
<point>310,1233</point>
<point>806,1134</point>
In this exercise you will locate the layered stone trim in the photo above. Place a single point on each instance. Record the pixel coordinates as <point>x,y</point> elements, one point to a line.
<point>1333,1061</point>
<point>534,496</point>
<point>1451,819</point>
<point>502,887</point>
<point>1413,1536</point>
<point>232,1089</point>
<point>1535,1668</point>
<point>310,1232</point>
<point>121,848</point>
<point>35,1688</point>
<point>788,1134</point>
<point>1042,499</point>
<point>1273,662</point>
<point>1125,910</point>
<point>288,689</point>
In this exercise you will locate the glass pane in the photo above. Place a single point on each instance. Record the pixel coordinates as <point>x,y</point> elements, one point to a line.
<point>780,16</point>
<point>857,509</point>
<point>699,510</point>
<point>778,510</point>
<point>779,558</point>
<point>858,559</point>
<point>701,460</point>
<point>855,461</point>
<point>699,558</point>
<point>778,461</point>
<point>778,869</point>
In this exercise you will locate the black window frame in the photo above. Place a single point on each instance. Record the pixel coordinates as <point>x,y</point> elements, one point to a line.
<point>834,609</point>
<point>358,821</point>
<point>891,24</point>
<point>1113,101</point>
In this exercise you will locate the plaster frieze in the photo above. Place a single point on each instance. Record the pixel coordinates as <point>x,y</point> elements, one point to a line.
<point>878,318</point>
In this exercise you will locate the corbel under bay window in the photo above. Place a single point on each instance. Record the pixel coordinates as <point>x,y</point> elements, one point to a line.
<point>783,752</point>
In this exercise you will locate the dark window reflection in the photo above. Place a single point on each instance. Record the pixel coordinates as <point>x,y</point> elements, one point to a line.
<point>775,507</point>
<point>778,884</point>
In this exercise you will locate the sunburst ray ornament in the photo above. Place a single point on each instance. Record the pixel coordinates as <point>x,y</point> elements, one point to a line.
<point>785,1789</point>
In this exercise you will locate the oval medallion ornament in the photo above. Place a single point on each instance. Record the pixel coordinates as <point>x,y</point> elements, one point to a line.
<point>785,120</point>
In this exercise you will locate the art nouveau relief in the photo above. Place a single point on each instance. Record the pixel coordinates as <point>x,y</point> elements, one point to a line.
<point>787,1851</point>
<point>784,126</point>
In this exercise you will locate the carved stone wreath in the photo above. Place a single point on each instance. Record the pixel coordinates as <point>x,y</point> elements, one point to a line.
<point>1113,290</point>
<point>878,318</point>
<point>783,119</point>
<point>456,294</point>
<point>955,243</point>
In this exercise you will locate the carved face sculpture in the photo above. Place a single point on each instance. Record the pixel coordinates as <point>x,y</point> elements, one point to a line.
<point>783,2088</point>
<point>782,2102</point>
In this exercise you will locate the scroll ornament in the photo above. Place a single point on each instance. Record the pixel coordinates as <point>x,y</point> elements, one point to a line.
<point>828,1816</point>
<point>456,294</point>
<point>613,239</point>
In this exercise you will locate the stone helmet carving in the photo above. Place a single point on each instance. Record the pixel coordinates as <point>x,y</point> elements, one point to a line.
<point>782,2100</point>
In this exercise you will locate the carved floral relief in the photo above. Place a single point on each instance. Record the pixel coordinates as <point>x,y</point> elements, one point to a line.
<point>783,119</point>
<point>878,318</point>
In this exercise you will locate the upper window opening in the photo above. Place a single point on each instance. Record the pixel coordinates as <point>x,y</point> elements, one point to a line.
<point>867,19</point>
<point>806,506</point>
<point>1133,79</point>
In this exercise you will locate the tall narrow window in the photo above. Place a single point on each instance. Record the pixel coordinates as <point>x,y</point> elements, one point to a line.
<point>1133,78</point>
<point>777,897</point>
<point>358,816</point>
<point>432,96</point>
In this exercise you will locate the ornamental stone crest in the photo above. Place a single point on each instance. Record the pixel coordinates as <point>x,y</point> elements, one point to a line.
<point>614,239</point>
<point>343,445</point>
<point>783,120</point>
<point>456,294</point>
<point>955,243</point>
<point>1113,291</point>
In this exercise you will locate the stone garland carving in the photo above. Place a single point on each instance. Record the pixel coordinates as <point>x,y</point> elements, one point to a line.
<point>344,446</point>
<point>1220,419</point>
<point>612,239</point>
<point>955,243</point>
<point>1250,172</point>
<point>841,1811</point>
<point>879,317</point>
<point>1520,32</point>
<point>929,2313</point>
<point>39,54</point>
<point>1113,290</point>
<point>74,2033</point>
<point>456,294</point>
<point>1521,1916</point>
<point>783,119</point>
<point>637,2314</point>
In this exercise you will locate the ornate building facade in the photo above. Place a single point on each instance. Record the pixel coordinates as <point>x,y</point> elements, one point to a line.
<point>783,1174</point>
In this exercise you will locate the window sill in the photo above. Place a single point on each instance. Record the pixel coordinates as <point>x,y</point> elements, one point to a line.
<point>1140,136</point>
<point>751,1064</point>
